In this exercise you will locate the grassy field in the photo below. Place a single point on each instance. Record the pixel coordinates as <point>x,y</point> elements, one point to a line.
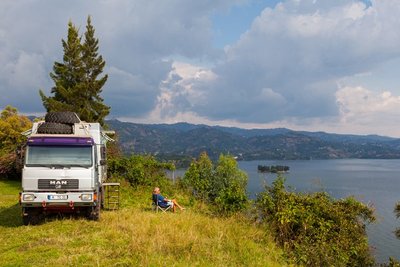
<point>133,236</point>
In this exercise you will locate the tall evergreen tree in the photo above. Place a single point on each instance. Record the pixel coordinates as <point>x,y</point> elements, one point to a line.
<point>93,63</point>
<point>77,84</point>
<point>67,76</point>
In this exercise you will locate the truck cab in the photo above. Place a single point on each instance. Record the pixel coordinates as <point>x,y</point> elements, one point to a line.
<point>63,173</point>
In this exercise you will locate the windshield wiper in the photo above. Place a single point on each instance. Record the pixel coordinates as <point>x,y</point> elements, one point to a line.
<point>79,165</point>
<point>39,165</point>
<point>59,166</point>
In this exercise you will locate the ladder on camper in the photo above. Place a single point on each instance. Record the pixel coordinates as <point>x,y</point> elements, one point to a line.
<point>111,196</point>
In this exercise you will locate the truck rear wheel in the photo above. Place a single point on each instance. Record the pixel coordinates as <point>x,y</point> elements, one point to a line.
<point>66,117</point>
<point>54,128</point>
<point>94,213</point>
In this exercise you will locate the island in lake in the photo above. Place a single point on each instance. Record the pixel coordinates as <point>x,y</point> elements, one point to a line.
<point>273,169</point>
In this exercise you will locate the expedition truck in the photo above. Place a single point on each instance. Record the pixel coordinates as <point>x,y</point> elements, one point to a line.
<point>64,167</point>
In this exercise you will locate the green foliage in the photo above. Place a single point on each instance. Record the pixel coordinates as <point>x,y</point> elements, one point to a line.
<point>223,185</point>
<point>139,170</point>
<point>397,212</point>
<point>229,185</point>
<point>199,175</point>
<point>77,84</point>
<point>392,263</point>
<point>316,230</point>
<point>11,126</point>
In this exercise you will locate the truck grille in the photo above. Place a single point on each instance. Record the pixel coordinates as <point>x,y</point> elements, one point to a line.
<point>58,184</point>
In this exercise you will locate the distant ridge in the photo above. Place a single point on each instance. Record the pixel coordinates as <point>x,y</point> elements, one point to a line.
<point>185,139</point>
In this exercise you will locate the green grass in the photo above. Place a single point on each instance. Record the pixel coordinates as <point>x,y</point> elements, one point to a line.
<point>133,236</point>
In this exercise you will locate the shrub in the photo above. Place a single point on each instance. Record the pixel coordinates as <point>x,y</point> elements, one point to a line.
<point>316,230</point>
<point>139,170</point>
<point>198,177</point>
<point>7,166</point>
<point>11,126</point>
<point>223,185</point>
<point>229,186</point>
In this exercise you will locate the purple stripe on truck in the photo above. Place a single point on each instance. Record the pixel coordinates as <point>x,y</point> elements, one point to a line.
<point>60,141</point>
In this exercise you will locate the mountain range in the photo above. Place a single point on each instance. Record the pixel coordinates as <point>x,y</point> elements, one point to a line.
<point>180,140</point>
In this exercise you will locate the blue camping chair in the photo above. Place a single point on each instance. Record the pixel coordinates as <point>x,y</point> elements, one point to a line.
<point>156,205</point>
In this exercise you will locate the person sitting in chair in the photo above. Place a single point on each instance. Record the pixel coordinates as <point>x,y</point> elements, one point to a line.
<point>163,202</point>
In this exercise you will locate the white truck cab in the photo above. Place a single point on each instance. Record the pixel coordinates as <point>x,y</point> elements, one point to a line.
<point>64,172</point>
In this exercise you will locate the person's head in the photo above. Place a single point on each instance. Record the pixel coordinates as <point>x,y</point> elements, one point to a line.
<point>156,190</point>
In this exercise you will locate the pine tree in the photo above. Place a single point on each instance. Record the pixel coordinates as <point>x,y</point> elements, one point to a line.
<point>94,109</point>
<point>77,86</point>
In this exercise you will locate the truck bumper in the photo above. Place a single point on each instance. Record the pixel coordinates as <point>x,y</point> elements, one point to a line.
<point>53,199</point>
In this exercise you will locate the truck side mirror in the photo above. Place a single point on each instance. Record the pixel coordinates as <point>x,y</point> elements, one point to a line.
<point>103,162</point>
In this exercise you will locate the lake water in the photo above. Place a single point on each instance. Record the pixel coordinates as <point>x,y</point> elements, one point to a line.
<point>375,182</point>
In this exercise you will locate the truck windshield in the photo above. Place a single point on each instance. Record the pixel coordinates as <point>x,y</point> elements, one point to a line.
<point>59,156</point>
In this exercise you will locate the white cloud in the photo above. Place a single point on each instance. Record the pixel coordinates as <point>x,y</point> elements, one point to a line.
<point>361,106</point>
<point>301,49</point>
<point>284,70</point>
<point>19,73</point>
<point>134,37</point>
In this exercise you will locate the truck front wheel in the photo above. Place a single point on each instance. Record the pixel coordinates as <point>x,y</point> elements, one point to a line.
<point>30,216</point>
<point>94,212</point>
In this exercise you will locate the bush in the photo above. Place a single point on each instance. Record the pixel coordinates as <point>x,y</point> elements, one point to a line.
<point>397,212</point>
<point>8,167</point>
<point>198,177</point>
<point>316,230</point>
<point>139,170</point>
<point>229,186</point>
<point>392,263</point>
<point>11,127</point>
<point>223,185</point>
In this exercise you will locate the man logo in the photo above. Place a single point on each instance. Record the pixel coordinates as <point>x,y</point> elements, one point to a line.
<point>58,183</point>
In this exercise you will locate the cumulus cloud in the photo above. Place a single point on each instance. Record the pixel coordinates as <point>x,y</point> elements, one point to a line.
<point>288,63</point>
<point>291,68</point>
<point>361,111</point>
<point>135,38</point>
<point>359,105</point>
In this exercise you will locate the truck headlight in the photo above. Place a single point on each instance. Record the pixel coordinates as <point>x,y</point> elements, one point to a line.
<point>86,197</point>
<point>28,197</point>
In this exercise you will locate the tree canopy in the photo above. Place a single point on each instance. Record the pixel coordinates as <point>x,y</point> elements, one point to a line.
<point>11,126</point>
<point>77,80</point>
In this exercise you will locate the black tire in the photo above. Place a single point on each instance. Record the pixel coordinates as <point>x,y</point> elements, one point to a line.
<point>66,117</point>
<point>26,220</point>
<point>54,128</point>
<point>31,218</point>
<point>94,212</point>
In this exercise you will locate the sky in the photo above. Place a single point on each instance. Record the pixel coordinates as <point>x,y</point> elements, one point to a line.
<point>313,65</point>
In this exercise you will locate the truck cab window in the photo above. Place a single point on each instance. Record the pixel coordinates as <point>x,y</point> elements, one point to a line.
<point>59,156</point>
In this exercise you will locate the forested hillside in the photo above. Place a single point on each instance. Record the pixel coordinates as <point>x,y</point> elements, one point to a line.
<point>183,139</point>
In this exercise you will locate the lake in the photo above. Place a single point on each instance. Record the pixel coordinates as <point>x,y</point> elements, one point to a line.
<point>375,182</point>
